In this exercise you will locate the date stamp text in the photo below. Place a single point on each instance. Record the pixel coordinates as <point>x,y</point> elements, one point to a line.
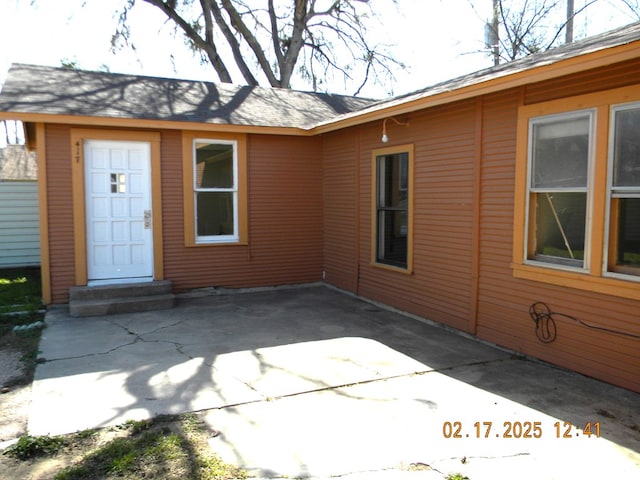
<point>517,429</point>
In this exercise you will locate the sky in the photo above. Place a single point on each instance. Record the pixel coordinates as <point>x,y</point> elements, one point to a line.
<point>436,39</point>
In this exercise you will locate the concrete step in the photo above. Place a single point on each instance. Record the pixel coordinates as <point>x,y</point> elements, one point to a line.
<point>124,290</point>
<point>113,306</point>
<point>122,298</point>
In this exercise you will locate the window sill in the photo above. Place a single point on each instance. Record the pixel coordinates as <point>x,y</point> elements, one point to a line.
<point>391,268</point>
<point>578,280</point>
<point>218,244</point>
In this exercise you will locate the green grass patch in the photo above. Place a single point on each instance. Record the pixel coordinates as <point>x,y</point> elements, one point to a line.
<point>167,447</point>
<point>456,476</point>
<point>155,454</point>
<point>20,290</point>
<point>28,446</point>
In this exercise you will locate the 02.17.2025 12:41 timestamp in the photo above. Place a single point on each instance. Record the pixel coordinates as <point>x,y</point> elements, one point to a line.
<point>518,430</point>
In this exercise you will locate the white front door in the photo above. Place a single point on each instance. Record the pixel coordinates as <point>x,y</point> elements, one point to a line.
<point>118,209</point>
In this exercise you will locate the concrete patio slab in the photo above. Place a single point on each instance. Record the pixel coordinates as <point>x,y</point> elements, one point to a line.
<point>309,366</point>
<point>312,383</point>
<point>396,426</point>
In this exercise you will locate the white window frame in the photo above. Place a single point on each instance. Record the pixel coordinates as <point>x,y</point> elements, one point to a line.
<point>592,114</point>
<point>634,192</point>
<point>213,239</point>
<point>596,279</point>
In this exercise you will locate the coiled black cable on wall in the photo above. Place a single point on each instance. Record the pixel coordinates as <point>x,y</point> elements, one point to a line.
<point>546,325</point>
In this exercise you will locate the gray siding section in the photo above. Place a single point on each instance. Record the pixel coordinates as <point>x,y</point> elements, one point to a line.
<point>19,224</point>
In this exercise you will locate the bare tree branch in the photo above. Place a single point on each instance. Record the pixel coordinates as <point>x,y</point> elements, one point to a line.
<point>213,8</point>
<point>633,6</point>
<point>252,41</point>
<point>300,24</point>
<point>564,25</point>
<point>209,48</point>
<point>275,37</point>
<point>279,39</point>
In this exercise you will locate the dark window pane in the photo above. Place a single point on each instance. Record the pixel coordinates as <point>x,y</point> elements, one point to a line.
<point>392,241</point>
<point>626,156</point>
<point>560,227</point>
<point>392,209</point>
<point>214,165</point>
<point>393,188</point>
<point>628,232</point>
<point>561,153</point>
<point>214,213</point>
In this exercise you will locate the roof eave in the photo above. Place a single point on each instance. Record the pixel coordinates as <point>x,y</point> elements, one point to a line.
<point>75,120</point>
<point>548,71</point>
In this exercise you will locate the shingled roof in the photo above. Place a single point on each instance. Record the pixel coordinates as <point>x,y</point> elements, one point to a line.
<point>31,89</point>
<point>62,91</point>
<point>597,43</point>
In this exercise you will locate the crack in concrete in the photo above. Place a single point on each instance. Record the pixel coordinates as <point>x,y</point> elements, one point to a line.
<point>138,338</point>
<point>150,332</point>
<point>86,355</point>
<point>179,348</point>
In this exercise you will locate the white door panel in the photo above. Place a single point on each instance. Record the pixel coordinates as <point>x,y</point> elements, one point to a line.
<point>119,247</point>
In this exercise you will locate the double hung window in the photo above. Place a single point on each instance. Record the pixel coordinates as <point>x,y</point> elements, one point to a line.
<point>559,153</point>
<point>215,189</point>
<point>392,215</point>
<point>624,191</point>
<point>577,211</point>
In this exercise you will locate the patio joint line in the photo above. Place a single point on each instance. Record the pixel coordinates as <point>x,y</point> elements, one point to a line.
<point>402,468</point>
<point>476,457</point>
<point>267,398</point>
<point>471,364</point>
<point>410,467</point>
<point>333,387</point>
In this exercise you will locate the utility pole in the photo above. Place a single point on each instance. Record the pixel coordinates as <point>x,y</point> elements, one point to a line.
<point>491,34</point>
<point>569,28</point>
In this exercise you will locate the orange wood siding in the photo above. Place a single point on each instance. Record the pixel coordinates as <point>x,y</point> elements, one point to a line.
<point>340,207</point>
<point>440,285</point>
<point>285,219</point>
<point>59,194</point>
<point>503,304</point>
